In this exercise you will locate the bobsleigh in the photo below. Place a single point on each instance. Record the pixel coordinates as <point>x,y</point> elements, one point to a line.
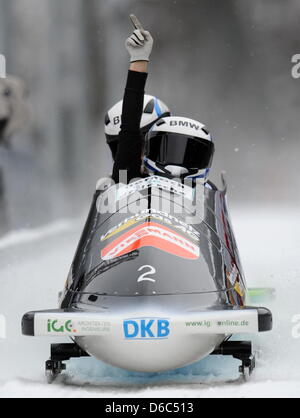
<point>156,283</point>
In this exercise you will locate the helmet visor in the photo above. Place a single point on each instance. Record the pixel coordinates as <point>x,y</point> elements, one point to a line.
<point>177,149</point>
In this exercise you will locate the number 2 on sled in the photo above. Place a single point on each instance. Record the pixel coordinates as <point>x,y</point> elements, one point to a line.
<point>143,277</point>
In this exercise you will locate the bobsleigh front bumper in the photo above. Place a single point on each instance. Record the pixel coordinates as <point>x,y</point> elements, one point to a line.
<point>75,323</point>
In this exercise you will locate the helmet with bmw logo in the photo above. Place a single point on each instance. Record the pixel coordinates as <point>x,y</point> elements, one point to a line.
<point>154,109</point>
<point>179,147</point>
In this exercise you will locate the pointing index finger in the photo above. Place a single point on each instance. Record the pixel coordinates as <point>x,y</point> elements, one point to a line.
<point>136,23</point>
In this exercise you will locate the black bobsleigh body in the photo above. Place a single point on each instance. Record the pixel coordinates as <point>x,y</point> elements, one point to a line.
<point>156,282</point>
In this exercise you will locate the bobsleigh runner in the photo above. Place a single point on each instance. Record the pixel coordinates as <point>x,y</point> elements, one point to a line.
<point>156,283</point>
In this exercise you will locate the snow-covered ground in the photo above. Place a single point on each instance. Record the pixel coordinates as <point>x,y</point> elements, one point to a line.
<point>34,265</point>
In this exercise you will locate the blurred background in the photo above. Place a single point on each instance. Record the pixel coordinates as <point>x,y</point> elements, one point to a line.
<point>227,64</point>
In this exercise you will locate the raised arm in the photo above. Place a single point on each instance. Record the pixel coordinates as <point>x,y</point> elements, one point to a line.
<point>129,154</point>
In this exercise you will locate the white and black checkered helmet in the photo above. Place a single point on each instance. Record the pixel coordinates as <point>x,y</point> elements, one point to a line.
<point>154,109</point>
<point>179,147</point>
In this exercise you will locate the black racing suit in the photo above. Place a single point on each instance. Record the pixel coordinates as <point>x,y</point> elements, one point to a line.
<point>130,148</point>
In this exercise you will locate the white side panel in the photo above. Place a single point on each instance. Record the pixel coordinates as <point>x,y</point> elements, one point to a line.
<point>89,324</point>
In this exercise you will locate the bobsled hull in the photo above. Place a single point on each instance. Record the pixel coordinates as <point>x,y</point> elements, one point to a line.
<point>156,282</point>
<point>147,342</point>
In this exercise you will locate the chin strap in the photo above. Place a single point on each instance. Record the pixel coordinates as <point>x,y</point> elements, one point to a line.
<point>176,172</point>
<point>200,176</point>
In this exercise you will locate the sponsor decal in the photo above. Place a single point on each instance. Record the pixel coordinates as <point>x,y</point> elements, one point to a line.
<point>78,327</point>
<point>166,195</point>
<point>59,327</point>
<point>146,328</point>
<point>238,289</point>
<point>155,181</point>
<point>223,322</point>
<point>205,324</point>
<point>234,280</point>
<point>121,227</point>
<point>94,326</point>
<point>229,323</point>
<point>151,234</point>
<point>233,275</point>
<point>186,124</point>
<point>153,215</point>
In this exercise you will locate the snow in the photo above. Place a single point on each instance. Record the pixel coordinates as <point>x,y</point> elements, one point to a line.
<point>34,265</point>
<point>29,235</point>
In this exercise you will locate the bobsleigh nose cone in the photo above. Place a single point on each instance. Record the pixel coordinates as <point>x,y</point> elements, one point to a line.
<point>149,345</point>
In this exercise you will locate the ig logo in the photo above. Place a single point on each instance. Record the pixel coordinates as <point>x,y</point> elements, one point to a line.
<point>146,328</point>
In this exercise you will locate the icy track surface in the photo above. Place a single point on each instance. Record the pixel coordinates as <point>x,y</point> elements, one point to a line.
<point>33,268</point>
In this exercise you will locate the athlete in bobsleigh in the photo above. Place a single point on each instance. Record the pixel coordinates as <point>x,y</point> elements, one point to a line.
<point>143,136</point>
<point>147,291</point>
